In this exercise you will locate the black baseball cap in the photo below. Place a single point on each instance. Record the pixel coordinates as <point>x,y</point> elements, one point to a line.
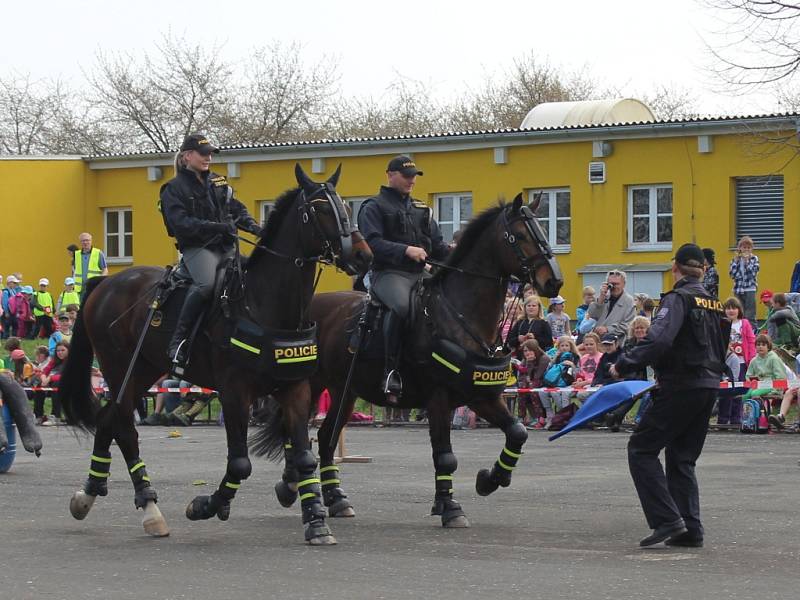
<point>690,255</point>
<point>609,338</point>
<point>404,165</point>
<point>198,142</point>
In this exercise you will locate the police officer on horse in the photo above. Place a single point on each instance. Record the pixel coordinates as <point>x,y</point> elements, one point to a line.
<point>686,344</point>
<point>202,215</point>
<point>401,233</point>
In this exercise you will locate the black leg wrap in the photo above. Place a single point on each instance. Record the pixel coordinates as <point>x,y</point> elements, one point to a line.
<point>289,471</point>
<point>309,489</point>
<point>332,494</point>
<point>239,468</point>
<point>286,495</point>
<point>141,483</point>
<point>99,470</point>
<point>445,464</point>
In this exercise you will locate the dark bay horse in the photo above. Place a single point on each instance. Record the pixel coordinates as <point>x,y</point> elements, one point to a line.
<point>309,224</point>
<point>462,303</point>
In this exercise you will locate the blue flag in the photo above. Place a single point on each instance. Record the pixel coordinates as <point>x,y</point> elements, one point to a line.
<point>603,400</point>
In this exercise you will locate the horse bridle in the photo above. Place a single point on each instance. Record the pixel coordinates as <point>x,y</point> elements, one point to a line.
<point>344,228</point>
<point>528,263</point>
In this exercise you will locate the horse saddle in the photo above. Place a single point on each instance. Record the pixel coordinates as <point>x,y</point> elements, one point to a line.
<point>173,288</point>
<point>366,329</point>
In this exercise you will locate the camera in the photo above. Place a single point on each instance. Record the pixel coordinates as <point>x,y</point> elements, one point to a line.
<point>610,285</point>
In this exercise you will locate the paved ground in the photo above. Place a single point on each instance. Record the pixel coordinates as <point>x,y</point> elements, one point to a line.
<point>567,528</point>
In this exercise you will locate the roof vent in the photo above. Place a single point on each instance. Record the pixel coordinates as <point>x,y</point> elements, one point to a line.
<point>597,172</point>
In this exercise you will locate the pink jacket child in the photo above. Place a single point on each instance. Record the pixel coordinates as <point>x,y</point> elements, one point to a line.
<point>20,306</point>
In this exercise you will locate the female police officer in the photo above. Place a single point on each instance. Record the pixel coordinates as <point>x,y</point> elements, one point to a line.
<point>686,345</point>
<point>202,215</point>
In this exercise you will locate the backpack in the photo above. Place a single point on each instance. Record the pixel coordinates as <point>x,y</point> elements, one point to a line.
<point>559,374</point>
<point>754,416</point>
<point>562,417</point>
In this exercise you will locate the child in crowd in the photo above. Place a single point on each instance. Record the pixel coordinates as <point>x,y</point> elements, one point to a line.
<point>557,318</point>
<point>765,364</point>
<point>766,299</point>
<point>783,324</point>
<point>64,332</point>
<point>638,302</point>
<point>648,309</point>
<point>588,293</point>
<point>531,373</point>
<point>51,375</point>
<point>611,352</point>
<point>22,367</point>
<point>531,326</point>
<point>589,361</point>
<point>40,358</point>
<point>566,357</point>
<point>21,306</point>
<point>741,350</point>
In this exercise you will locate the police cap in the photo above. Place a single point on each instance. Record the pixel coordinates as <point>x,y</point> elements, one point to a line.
<point>404,165</point>
<point>198,142</point>
<point>690,255</point>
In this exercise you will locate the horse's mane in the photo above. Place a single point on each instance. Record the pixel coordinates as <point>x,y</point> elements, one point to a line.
<point>469,238</point>
<point>275,219</point>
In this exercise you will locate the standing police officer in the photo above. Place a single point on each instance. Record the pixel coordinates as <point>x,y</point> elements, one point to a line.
<point>401,233</point>
<point>686,345</point>
<point>202,215</point>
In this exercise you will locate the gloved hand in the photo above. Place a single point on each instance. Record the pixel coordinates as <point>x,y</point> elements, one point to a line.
<point>227,230</point>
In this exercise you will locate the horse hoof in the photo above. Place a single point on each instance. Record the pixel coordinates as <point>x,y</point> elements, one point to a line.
<point>153,521</point>
<point>156,527</point>
<point>286,495</point>
<point>484,484</point>
<point>459,522</point>
<point>80,504</point>
<point>341,509</point>
<point>323,540</point>
<point>224,512</point>
<point>198,509</point>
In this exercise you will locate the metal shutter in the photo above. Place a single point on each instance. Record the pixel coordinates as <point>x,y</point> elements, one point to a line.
<point>759,210</point>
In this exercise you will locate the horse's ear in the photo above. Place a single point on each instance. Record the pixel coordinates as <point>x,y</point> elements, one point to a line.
<point>517,203</point>
<point>303,180</point>
<point>534,205</point>
<point>334,179</point>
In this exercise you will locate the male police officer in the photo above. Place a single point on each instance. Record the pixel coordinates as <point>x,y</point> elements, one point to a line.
<point>202,215</point>
<point>686,345</point>
<point>401,233</point>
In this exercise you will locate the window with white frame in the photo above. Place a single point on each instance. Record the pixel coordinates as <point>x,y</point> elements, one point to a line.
<point>650,217</point>
<point>355,206</point>
<point>554,215</point>
<point>264,208</point>
<point>118,235</point>
<point>453,212</point>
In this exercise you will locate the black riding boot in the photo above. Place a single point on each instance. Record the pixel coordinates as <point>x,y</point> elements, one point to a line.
<point>393,338</point>
<point>178,345</point>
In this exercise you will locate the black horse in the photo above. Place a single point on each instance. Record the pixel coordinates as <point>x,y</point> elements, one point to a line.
<point>450,359</point>
<point>309,224</point>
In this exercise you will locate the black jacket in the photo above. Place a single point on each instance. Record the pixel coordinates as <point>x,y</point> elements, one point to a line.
<point>390,222</point>
<point>195,212</point>
<point>686,342</point>
<point>538,327</point>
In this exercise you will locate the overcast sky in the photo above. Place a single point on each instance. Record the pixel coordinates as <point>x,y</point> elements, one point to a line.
<point>447,44</point>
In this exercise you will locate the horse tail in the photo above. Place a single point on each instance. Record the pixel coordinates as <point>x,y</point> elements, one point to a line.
<point>270,435</point>
<point>75,386</point>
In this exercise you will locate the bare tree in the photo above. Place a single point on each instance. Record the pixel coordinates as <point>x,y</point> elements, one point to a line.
<point>504,101</point>
<point>758,42</point>
<point>670,101</point>
<point>26,111</point>
<point>279,98</point>
<point>159,100</point>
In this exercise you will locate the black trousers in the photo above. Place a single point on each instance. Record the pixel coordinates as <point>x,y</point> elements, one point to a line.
<point>676,421</point>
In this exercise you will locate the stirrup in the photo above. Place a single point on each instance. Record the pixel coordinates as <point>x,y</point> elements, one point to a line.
<point>393,386</point>
<point>178,360</point>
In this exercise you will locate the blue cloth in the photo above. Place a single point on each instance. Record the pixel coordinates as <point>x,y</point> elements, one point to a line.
<point>603,400</point>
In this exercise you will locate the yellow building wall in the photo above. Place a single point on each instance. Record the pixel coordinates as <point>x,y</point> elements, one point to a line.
<point>43,212</point>
<point>703,199</point>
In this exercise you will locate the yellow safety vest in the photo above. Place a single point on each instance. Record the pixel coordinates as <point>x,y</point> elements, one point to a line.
<point>94,269</point>
<point>66,298</point>
<point>43,300</point>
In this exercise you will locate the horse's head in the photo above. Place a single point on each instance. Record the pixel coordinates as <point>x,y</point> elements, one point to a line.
<point>334,237</point>
<point>530,258</point>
